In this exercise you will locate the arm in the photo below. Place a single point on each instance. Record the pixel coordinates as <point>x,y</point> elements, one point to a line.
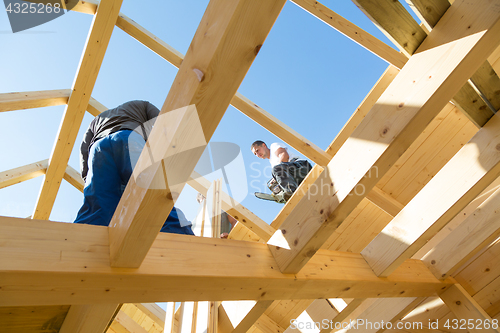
<point>282,155</point>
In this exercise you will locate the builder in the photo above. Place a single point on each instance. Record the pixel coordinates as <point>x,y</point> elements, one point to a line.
<point>287,171</point>
<point>110,148</point>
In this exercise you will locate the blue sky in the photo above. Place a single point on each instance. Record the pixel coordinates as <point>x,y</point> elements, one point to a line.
<point>307,74</point>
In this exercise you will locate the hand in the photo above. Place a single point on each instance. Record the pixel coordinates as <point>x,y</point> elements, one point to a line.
<point>224,235</point>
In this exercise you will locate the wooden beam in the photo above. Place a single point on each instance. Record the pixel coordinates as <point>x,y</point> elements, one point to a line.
<point>225,32</point>
<point>423,87</point>
<point>51,263</point>
<point>123,322</point>
<point>95,108</point>
<point>234,208</point>
<point>20,174</point>
<point>380,311</point>
<point>395,22</point>
<point>278,128</point>
<point>353,32</point>
<point>475,105</point>
<point>478,229</point>
<point>240,102</point>
<point>466,308</point>
<point>97,42</point>
<point>88,318</point>
<point>149,40</point>
<point>362,110</point>
<point>466,175</point>
<point>252,316</point>
<point>429,11</point>
<point>301,191</point>
<point>384,201</point>
<point>74,178</point>
<point>33,99</point>
<point>266,324</point>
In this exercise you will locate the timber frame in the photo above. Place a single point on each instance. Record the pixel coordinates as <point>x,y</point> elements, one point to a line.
<point>420,244</point>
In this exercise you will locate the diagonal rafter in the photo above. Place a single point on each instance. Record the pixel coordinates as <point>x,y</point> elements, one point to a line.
<point>386,132</point>
<point>93,55</point>
<point>464,177</point>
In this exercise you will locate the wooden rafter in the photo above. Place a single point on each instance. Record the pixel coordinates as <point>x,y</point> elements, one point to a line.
<point>97,42</point>
<point>240,102</point>
<point>20,174</point>
<point>386,132</point>
<point>405,32</point>
<point>43,256</point>
<point>33,99</point>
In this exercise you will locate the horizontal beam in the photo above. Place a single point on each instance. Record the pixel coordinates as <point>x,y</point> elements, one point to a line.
<point>46,263</point>
<point>33,99</point>
<point>20,174</point>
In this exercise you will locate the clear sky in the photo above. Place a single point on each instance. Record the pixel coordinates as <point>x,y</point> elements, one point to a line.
<point>307,74</point>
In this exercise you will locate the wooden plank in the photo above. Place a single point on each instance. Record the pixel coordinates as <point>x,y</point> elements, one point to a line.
<point>266,325</point>
<point>90,63</point>
<point>89,318</point>
<point>278,128</point>
<point>482,271</point>
<point>32,319</point>
<point>353,32</point>
<point>382,310</point>
<point>235,209</point>
<point>363,109</point>
<point>321,309</point>
<point>467,174</point>
<point>247,107</point>
<point>423,87</point>
<point>20,174</point>
<point>203,81</point>
<point>95,108</point>
<point>350,313</point>
<point>51,263</point>
<point>494,60</point>
<point>153,311</point>
<point>252,316</point>
<point>475,106</point>
<point>383,200</point>
<point>149,40</point>
<point>465,307</point>
<point>437,144</point>
<point>429,11</point>
<point>86,7</point>
<point>283,311</point>
<point>128,324</point>
<point>301,191</point>
<point>395,22</point>
<point>33,99</point>
<point>74,178</point>
<point>478,230</point>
